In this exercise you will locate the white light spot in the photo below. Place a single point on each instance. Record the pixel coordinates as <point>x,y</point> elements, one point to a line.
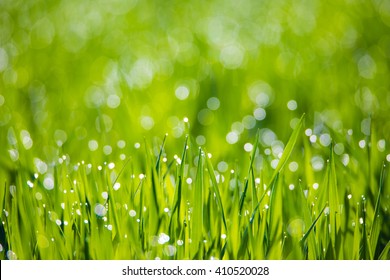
<point>213,103</point>
<point>325,139</point>
<point>349,196</point>
<point>248,147</point>
<point>111,165</point>
<point>232,56</point>
<point>292,105</point>
<point>308,132</point>
<point>137,145</point>
<point>141,176</point>
<point>121,144</point>
<point>291,187</point>
<point>326,211</point>
<point>38,196</point>
<point>105,195</point>
<point>223,236</point>
<point>338,148</point>
<point>232,137</point>
<point>345,159</point>
<point>11,255</point>
<point>200,140</point>
<point>93,145</point>
<point>362,144</point>
<point>166,210</point>
<point>388,157</point>
<point>116,186</point>
<point>180,242</point>
<point>259,114</point>
<point>113,101</point>
<point>367,67</point>
<point>107,150</point>
<point>163,238</point>
<point>317,162</point>
<point>169,250</point>
<point>182,92</point>
<point>249,122</point>
<point>14,154</point>
<point>222,166</point>
<point>313,138</point>
<point>48,182</point>
<point>293,166</point>
<point>147,122</point>
<point>274,163</point>
<point>315,186</point>
<point>109,227</point>
<point>26,139</point>
<point>189,181</point>
<point>361,221</point>
<point>132,213</point>
<point>381,145</point>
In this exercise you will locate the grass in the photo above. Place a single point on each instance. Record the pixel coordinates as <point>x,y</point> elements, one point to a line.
<point>182,208</point>
<point>194,130</point>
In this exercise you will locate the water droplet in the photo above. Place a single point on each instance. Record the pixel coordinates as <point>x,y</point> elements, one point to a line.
<point>313,138</point>
<point>48,182</point>
<point>116,186</point>
<point>315,186</point>
<point>163,238</point>
<point>349,196</point>
<point>180,242</point>
<point>189,181</point>
<point>326,211</point>
<point>248,147</point>
<point>11,255</point>
<point>361,221</point>
<point>308,132</point>
<point>291,187</point>
<point>132,213</point>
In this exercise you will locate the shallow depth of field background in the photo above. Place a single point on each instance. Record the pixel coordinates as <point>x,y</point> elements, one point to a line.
<point>91,81</point>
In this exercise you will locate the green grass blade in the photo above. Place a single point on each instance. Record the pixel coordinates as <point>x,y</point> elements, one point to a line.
<point>197,218</point>
<point>216,190</point>
<point>288,149</point>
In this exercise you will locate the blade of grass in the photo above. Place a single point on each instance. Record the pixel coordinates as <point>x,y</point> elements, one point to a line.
<point>288,149</point>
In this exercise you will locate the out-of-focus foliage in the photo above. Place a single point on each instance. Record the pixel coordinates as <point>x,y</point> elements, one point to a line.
<point>92,81</point>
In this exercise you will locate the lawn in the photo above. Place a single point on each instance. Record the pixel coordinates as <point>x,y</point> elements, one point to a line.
<point>194,129</point>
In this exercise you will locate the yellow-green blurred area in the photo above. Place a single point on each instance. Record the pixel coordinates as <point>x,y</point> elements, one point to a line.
<point>80,76</point>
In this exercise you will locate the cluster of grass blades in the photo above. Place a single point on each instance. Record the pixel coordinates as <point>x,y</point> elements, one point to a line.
<point>185,209</point>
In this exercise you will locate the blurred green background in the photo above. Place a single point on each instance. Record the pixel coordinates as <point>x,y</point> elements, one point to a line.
<point>79,76</point>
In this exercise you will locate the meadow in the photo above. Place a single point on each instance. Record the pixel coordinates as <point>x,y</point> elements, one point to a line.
<point>194,130</point>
